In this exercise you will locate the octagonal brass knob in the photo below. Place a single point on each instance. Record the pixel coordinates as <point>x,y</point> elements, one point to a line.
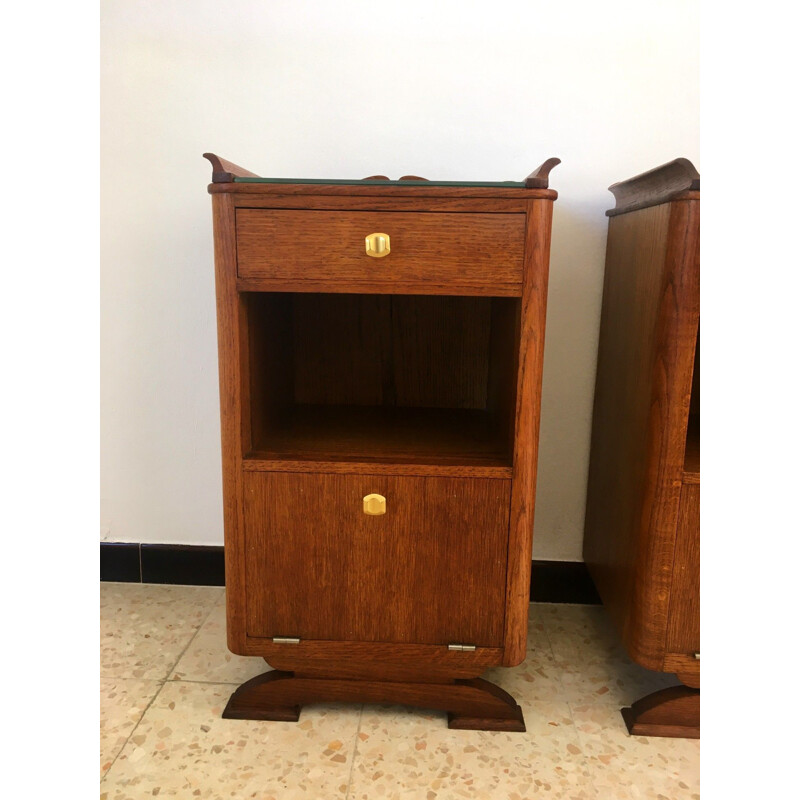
<point>374,504</point>
<point>378,245</point>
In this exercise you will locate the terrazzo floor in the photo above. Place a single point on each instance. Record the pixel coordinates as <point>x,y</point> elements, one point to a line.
<point>166,675</point>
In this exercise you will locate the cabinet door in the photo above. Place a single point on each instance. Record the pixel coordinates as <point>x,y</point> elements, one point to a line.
<point>431,570</point>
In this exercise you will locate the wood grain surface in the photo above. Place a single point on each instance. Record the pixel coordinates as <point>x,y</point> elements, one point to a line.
<point>233,358</point>
<point>225,171</point>
<point>683,629</point>
<point>450,286</point>
<point>416,376</point>
<point>414,379</point>
<point>328,246</point>
<point>312,654</point>
<point>634,278</point>
<point>379,660</point>
<point>453,466</point>
<point>685,666</point>
<point>386,434</point>
<point>691,458</point>
<point>540,177</point>
<point>389,190</point>
<point>677,179</point>
<point>471,704</point>
<point>422,352</point>
<point>672,712</point>
<point>431,570</point>
<point>526,432</point>
<point>642,565</point>
<point>324,202</point>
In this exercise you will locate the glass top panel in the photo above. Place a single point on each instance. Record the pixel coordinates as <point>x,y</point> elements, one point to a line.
<point>503,184</point>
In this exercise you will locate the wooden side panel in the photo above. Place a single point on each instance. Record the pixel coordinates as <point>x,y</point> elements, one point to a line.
<point>283,244</point>
<point>677,325</point>
<point>526,439</point>
<point>634,276</point>
<point>503,367</point>
<point>271,363</point>
<point>232,340</point>
<point>429,571</point>
<point>683,632</point>
<point>645,357</point>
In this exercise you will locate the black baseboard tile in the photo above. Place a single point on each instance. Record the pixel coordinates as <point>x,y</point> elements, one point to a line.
<point>120,562</point>
<point>193,565</point>
<point>562,582</point>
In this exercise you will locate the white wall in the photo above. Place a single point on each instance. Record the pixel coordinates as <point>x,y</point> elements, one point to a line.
<point>307,88</point>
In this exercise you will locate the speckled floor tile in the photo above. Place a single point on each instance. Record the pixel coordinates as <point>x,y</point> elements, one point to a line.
<point>571,627</point>
<point>537,678</point>
<point>627,767</point>
<point>537,633</point>
<point>571,686</point>
<point>591,660</point>
<point>183,748</point>
<point>412,755</point>
<point>145,628</point>
<point>615,682</point>
<point>122,703</point>
<point>208,659</point>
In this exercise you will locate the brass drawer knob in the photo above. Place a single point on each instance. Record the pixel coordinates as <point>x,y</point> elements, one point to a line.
<point>378,245</point>
<point>374,504</point>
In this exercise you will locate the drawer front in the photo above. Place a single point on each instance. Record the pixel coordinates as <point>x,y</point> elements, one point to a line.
<point>463,249</point>
<point>430,570</point>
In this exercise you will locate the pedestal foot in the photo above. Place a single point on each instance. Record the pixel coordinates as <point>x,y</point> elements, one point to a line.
<point>457,722</point>
<point>673,712</point>
<point>248,702</point>
<point>471,704</point>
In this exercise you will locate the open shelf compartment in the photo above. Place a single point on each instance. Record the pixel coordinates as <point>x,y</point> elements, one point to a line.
<point>380,378</point>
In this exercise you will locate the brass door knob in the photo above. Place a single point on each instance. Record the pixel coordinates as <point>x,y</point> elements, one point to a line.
<point>374,504</point>
<point>378,245</point>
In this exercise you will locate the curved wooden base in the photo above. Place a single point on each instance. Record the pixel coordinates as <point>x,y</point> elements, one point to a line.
<point>471,704</point>
<point>673,712</point>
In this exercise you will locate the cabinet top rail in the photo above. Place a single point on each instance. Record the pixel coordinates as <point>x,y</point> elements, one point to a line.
<point>658,185</point>
<point>224,171</point>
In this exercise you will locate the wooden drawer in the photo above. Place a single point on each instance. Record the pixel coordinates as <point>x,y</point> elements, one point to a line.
<point>281,246</point>
<point>431,570</point>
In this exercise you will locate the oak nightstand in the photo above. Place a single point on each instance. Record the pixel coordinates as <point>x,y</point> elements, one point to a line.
<point>380,360</point>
